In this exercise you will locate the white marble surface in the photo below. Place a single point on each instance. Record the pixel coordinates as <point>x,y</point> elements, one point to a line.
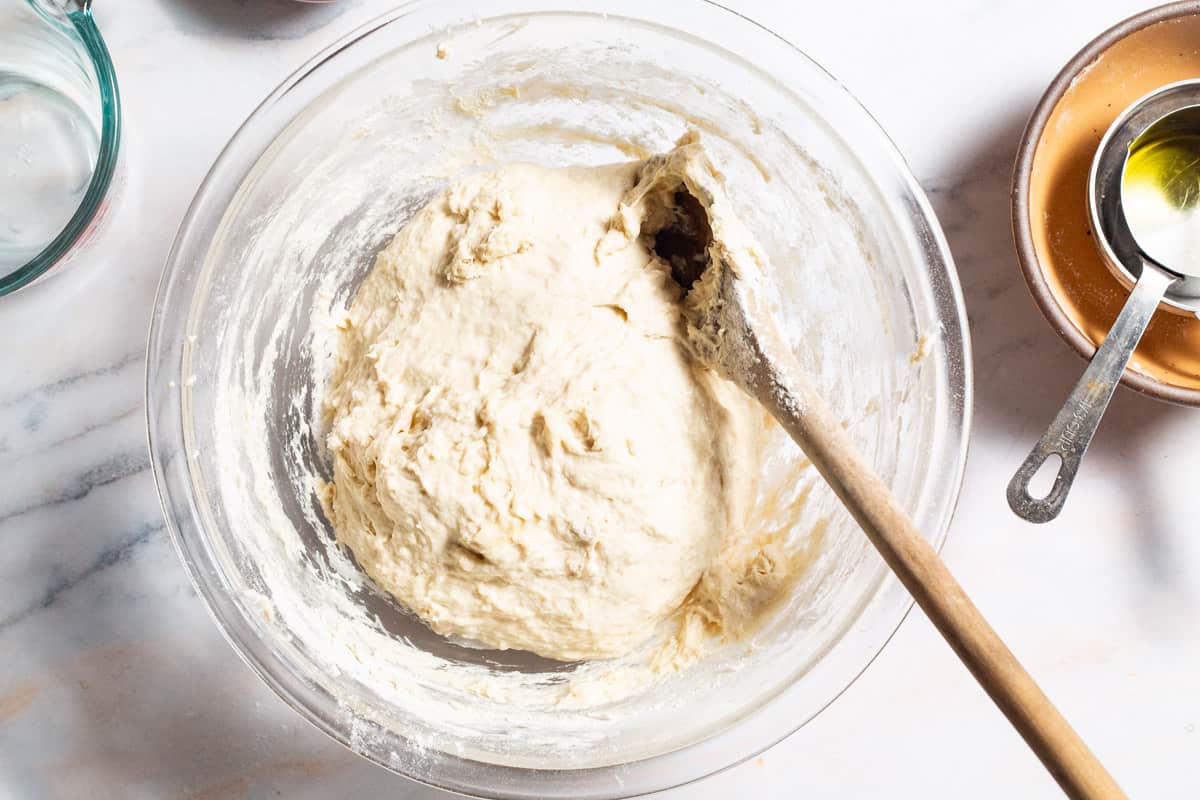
<point>115,683</point>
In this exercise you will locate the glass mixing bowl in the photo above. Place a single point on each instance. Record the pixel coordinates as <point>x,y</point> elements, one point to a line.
<point>287,223</point>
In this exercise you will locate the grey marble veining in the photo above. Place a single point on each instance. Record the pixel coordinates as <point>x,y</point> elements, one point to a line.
<point>115,683</point>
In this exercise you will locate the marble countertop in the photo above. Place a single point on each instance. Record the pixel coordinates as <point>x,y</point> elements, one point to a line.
<point>115,683</point>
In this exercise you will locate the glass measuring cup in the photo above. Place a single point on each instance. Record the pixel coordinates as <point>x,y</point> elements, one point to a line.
<point>60,125</point>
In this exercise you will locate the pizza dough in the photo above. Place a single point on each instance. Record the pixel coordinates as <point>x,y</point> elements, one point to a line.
<point>525,454</point>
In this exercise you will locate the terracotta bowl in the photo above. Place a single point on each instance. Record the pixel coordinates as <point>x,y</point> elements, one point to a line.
<point>1055,246</point>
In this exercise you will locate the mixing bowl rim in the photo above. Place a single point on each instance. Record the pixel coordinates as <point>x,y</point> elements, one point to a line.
<point>940,279</point>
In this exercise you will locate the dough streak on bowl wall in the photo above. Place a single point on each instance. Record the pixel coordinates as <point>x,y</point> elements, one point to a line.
<point>313,246</point>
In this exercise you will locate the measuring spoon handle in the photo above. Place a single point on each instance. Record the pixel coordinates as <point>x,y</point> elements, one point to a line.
<point>1072,430</point>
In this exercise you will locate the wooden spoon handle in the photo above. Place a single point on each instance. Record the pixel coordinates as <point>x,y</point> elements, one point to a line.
<point>810,421</point>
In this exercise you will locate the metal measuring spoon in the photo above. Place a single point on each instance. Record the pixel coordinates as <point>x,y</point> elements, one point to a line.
<point>1144,200</point>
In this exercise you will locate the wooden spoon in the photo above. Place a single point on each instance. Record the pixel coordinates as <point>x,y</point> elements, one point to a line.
<point>734,333</point>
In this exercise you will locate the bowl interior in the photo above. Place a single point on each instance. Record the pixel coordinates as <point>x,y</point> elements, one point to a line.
<point>289,222</point>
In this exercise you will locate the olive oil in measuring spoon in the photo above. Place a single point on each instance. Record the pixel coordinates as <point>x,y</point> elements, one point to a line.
<point>1161,185</point>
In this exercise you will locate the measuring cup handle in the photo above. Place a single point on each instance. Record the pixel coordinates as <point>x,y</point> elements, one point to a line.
<point>1072,430</point>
